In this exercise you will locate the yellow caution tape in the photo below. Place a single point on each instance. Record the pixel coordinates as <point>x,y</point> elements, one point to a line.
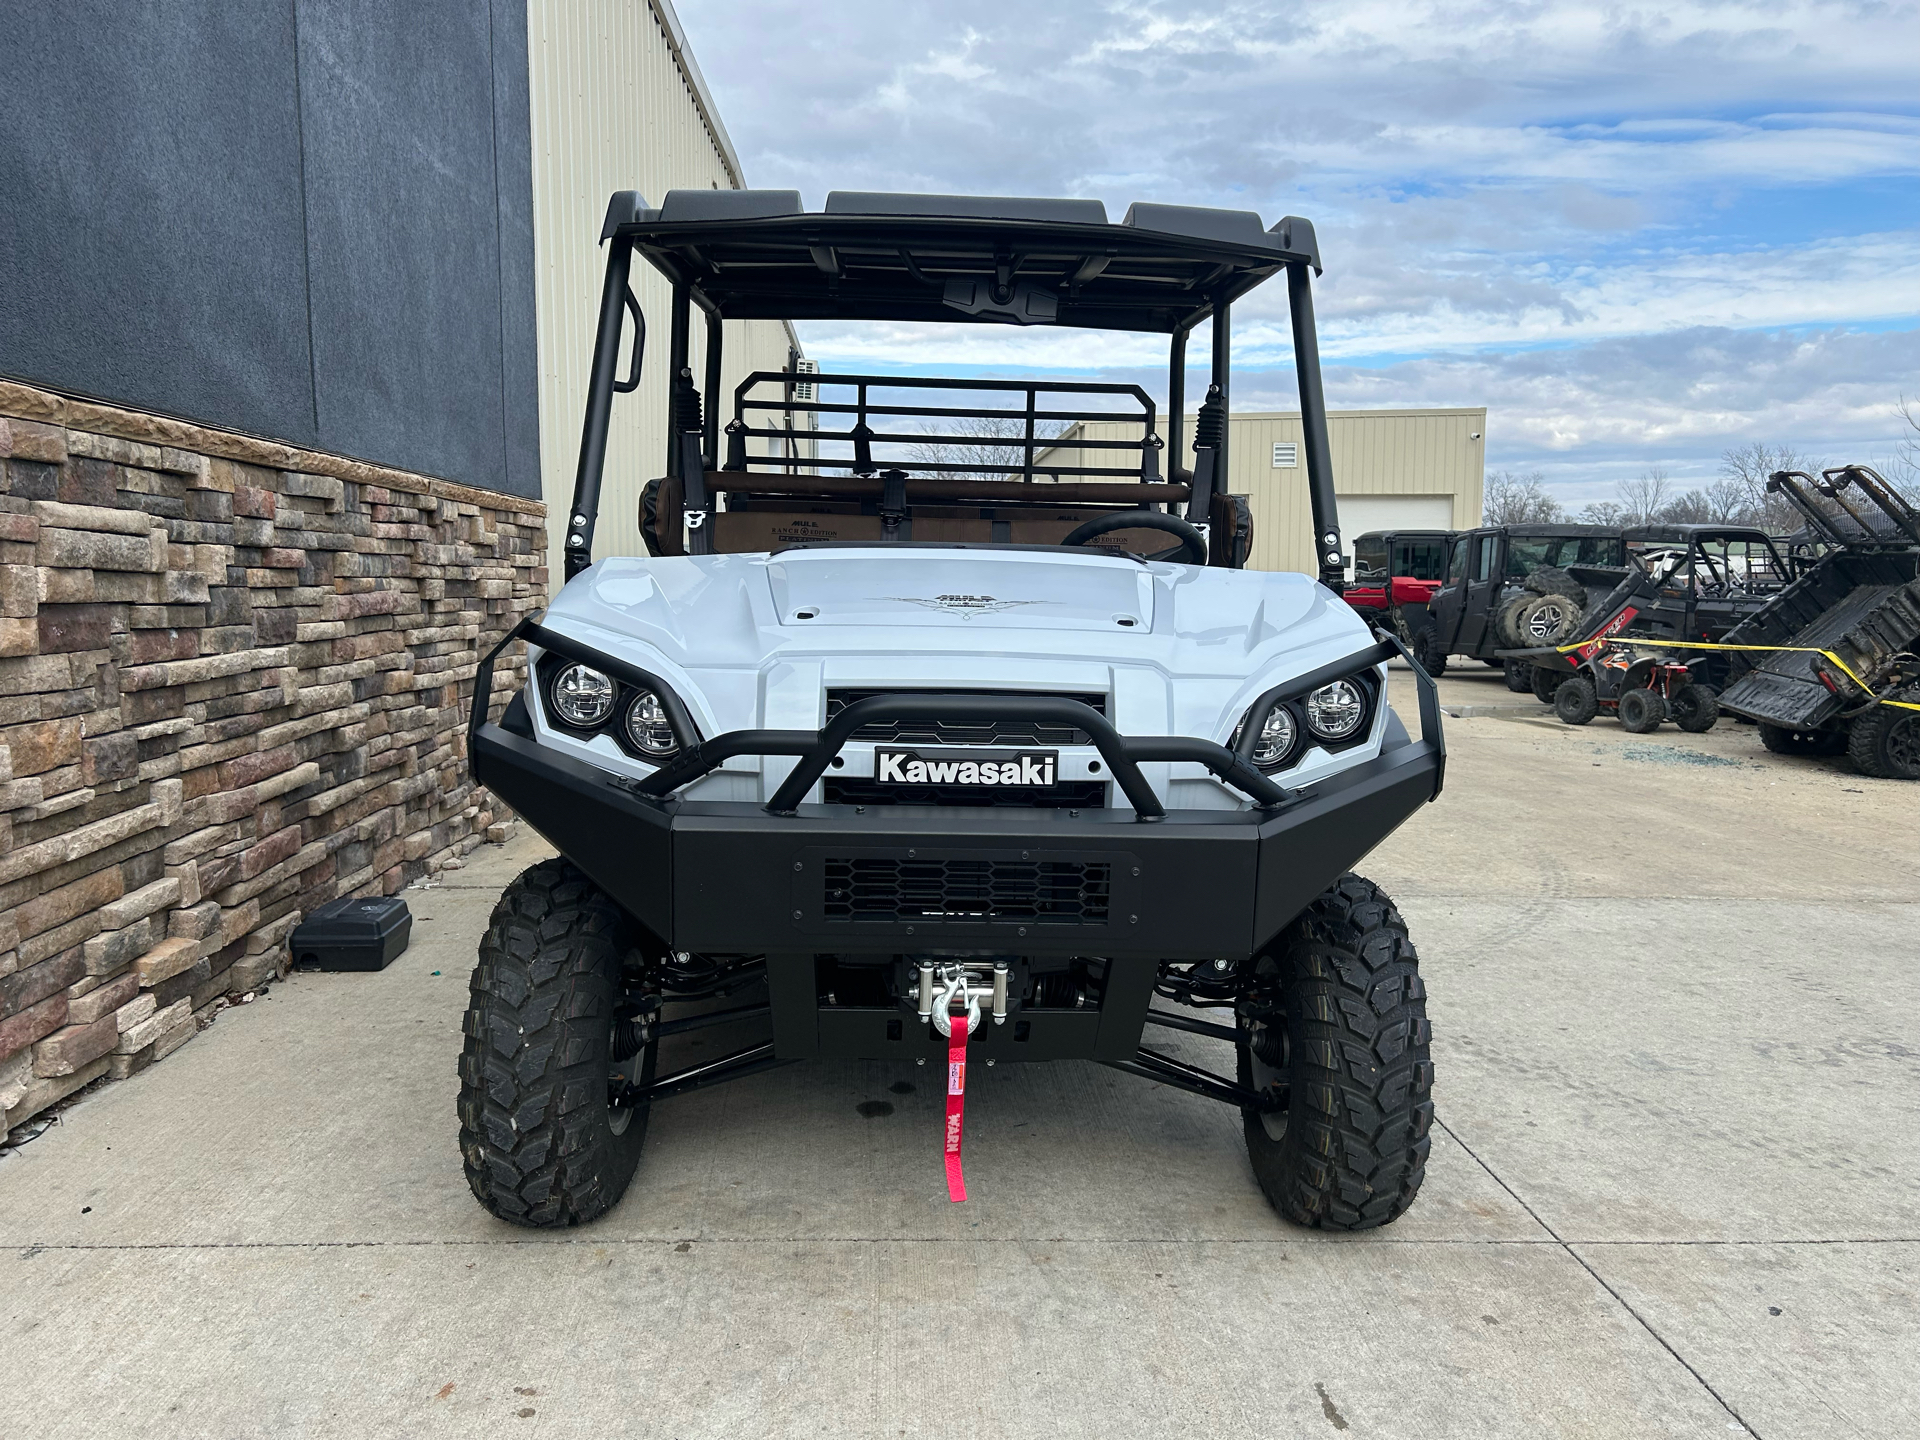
<point>1635,640</point>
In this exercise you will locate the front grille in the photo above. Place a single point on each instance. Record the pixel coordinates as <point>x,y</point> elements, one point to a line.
<point>882,890</point>
<point>1067,795</point>
<point>1006,731</point>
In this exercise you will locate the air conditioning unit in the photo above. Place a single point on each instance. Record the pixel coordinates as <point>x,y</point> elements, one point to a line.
<point>1286,455</point>
<point>803,390</point>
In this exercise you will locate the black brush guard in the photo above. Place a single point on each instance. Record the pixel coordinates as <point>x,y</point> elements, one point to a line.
<point>747,878</point>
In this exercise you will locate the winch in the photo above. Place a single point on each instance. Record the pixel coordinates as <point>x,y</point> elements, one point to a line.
<point>965,985</point>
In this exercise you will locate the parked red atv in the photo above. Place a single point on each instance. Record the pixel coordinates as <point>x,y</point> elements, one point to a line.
<point>1642,689</point>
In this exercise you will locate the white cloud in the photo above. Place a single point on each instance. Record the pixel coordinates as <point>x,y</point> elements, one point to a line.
<point>1597,220</point>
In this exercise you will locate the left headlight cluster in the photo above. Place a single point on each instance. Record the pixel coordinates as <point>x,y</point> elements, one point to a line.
<point>1336,716</point>
<point>585,701</point>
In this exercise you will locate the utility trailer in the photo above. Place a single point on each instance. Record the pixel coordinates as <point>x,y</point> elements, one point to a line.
<point>1859,604</point>
<point>916,758</point>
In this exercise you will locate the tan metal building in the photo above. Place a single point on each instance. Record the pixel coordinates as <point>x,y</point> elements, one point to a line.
<point>618,104</point>
<point>1391,468</point>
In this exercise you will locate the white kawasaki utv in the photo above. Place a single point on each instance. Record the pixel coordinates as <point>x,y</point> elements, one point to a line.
<point>977,755</point>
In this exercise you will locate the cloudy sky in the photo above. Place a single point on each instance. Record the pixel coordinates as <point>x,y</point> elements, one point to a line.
<point>1638,235</point>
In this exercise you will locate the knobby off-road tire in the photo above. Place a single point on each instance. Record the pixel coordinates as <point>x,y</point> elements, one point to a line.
<point>1547,620</point>
<point>541,1145</point>
<point>1695,708</point>
<point>1519,675</point>
<point>1431,653</point>
<point>1575,702</point>
<point>1506,620</point>
<point>1885,742</point>
<point>1641,711</point>
<point>1552,580</point>
<point>1545,683</point>
<point>1782,741</point>
<point>1349,1043</point>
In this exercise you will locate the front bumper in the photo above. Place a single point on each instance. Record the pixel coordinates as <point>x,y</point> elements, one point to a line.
<point>742,878</point>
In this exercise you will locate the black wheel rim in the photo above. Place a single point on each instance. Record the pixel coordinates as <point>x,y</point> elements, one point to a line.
<point>1903,744</point>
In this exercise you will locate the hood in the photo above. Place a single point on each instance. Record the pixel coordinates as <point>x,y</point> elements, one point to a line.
<point>960,589</point>
<point>754,639</point>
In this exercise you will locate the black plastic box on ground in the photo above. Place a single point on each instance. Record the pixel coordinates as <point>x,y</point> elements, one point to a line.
<point>352,935</point>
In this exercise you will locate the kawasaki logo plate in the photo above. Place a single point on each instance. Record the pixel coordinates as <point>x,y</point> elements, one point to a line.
<point>1025,770</point>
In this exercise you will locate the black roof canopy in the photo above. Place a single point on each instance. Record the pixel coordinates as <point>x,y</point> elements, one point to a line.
<point>1675,534</point>
<point>756,255</point>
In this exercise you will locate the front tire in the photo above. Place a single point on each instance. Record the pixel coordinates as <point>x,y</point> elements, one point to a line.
<point>1575,701</point>
<point>1431,652</point>
<point>542,1145</point>
<point>1340,1028</point>
<point>1519,675</point>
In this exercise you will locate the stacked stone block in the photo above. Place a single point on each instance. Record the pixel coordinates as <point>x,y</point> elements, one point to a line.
<point>234,682</point>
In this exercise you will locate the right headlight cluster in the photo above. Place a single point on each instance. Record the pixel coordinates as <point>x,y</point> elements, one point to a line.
<point>590,702</point>
<point>1335,715</point>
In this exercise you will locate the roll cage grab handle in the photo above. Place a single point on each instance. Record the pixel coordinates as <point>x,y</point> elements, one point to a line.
<point>816,749</point>
<point>603,383</point>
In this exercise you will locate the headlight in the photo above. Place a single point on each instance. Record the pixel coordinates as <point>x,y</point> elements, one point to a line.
<point>582,696</point>
<point>1276,738</point>
<point>647,725</point>
<point>1335,711</point>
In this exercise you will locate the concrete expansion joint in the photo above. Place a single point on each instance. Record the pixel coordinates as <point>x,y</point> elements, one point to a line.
<point>1602,1282</point>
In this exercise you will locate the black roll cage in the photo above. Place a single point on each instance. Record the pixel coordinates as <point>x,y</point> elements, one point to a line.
<point>926,251</point>
<point>862,437</point>
<point>1804,493</point>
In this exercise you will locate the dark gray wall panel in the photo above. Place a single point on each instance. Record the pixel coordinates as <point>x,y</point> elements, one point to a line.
<point>151,242</point>
<point>310,220</point>
<point>513,168</point>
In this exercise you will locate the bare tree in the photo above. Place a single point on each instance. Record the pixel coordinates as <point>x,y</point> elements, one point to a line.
<point>991,441</point>
<point>1645,498</point>
<point>1727,503</point>
<point>1905,476</point>
<point>1692,508</point>
<point>1746,468</point>
<point>1604,512</point>
<point>1518,500</point>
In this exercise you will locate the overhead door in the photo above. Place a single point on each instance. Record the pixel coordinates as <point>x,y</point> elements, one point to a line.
<point>1361,513</point>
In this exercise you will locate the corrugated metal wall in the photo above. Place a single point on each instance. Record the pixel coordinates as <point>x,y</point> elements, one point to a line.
<point>613,110</point>
<point>1375,452</point>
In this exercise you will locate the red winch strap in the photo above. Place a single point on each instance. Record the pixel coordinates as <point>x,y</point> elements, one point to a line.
<point>956,1103</point>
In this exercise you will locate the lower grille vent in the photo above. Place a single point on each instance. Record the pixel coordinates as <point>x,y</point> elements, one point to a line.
<point>886,890</point>
<point>1067,795</point>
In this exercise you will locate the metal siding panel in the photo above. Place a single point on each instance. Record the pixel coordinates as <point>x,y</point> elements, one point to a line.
<point>612,111</point>
<point>1393,452</point>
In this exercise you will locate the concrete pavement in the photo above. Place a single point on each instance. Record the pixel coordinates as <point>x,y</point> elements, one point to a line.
<point>1673,1192</point>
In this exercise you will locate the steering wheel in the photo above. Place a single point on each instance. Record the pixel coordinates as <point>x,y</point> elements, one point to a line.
<point>1192,547</point>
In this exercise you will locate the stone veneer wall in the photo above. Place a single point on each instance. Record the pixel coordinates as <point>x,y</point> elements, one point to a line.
<point>234,678</point>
